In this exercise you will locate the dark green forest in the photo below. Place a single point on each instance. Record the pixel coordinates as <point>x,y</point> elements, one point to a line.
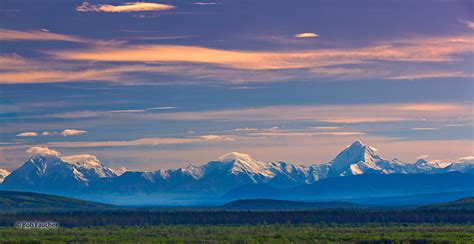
<point>232,217</point>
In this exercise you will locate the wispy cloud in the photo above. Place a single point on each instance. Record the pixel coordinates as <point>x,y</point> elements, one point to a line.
<point>205,3</point>
<point>424,128</point>
<point>27,134</point>
<point>327,127</point>
<point>36,35</point>
<point>466,158</point>
<point>336,114</point>
<point>145,141</point>
<point>429,107</point>
<point>126,7</point>
<point>308,133</point>
<point>469,24</point>
<point>306,35</point>
<point>245,129</point>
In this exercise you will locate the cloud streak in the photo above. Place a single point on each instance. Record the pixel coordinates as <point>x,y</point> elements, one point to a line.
<point>306,35</point>
<point>27,134</point>
<point>126,7</point>
<point>72,132</point>
<point>35,35</point>
<point>153,141</point>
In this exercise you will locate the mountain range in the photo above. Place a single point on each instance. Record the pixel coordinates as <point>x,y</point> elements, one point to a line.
<point>85,176</point>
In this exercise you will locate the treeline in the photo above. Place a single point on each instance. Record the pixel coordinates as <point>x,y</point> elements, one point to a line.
<point>221,217</point>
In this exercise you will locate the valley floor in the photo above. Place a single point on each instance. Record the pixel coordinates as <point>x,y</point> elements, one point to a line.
<point>279,233</point>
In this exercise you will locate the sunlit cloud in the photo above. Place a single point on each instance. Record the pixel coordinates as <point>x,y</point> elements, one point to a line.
<point>466,158</point>
<point>43,151</point>
<point>306,35</point>
<point>216,138</point>
<point>429,107</point>
<point>72,132</point>
<point>126,7</point>
<point>27,134</point>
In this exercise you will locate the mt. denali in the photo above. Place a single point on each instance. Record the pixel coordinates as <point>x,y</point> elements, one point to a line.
<point>85,174</point>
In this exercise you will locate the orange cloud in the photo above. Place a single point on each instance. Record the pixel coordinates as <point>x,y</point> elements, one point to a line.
<point>429,107</point>
<point>430,50</point>
<point>127,7</point>
<point>306,35</point>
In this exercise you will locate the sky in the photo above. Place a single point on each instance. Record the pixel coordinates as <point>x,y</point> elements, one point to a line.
<point>160,84</point>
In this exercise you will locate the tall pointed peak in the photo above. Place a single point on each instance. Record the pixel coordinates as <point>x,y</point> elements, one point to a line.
<point>353,154</point>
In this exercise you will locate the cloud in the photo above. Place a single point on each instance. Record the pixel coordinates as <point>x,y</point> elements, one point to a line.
<point>47,133</point>
<point>431,50</point>
<point>308,133</point>
<point>27,134</point>
<point>327,127</point>
<point>469,24</point>
<point>245,129</point>
<point>72,132</point>
<point>126,7</point>
<point>43,151</point>
<point>154,141</point>
<point>422,157</point>
<point>428,75</point>
<point>359,120</point>
<point>424,128</point>
<point>123,62</point>
<point>428,107</point>
<point>337,114</point>
<point>216,138</point>
<point>306,35</point>
<point>467,158</point>
<point>205,3</point>
<point>35,35</point>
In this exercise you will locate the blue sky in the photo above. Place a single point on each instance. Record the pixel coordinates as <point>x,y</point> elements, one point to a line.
<point>159,84</point>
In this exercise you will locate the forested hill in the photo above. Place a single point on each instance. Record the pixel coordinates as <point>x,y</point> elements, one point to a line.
<point>11,201</point>
<point>465,203</point>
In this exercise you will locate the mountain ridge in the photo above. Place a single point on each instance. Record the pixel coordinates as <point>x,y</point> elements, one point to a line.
<point>85,174</point>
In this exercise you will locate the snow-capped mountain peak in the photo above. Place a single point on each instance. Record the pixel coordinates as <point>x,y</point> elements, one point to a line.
<point>356,153</point>
<point>3,174</point>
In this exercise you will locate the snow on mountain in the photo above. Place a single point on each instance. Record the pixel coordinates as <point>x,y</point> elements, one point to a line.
<point>465,165</point>
<point>361,159</point>
<point>48,171</point>
<point>120,171</point>
<point>423,166</point>
<point>89,166</point>
<point>3,174</point>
